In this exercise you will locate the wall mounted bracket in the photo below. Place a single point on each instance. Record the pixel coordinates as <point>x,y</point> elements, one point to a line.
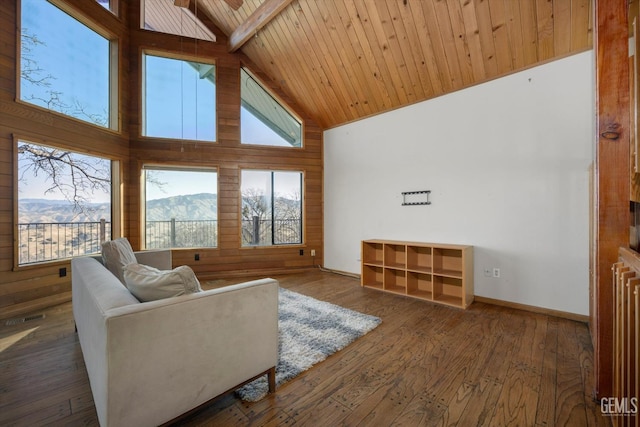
<point>414,198</point>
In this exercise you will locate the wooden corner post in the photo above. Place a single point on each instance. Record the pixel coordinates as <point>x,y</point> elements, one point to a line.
<point>612,177</point>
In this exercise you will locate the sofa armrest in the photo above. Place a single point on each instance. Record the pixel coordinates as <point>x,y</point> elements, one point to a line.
<point>160,259</point>
<point>169,356</point>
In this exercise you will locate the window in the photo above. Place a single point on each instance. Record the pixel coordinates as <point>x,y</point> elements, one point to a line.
<point>64,203</point>
<point>108,4</point>
<point>65,66</point>
<point>181,207</point>
<point>179,99</point>
<point>263,120</point>
<point>271,208</point>
<point>174,17</point>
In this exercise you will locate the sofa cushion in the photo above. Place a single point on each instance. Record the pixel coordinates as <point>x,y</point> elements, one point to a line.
<point>148,283</point>
<point>116,254</point>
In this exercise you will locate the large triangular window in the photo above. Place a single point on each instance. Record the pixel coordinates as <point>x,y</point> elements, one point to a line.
<point>264,120</point>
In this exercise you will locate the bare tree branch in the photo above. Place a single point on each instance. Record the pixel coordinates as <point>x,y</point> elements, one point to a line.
<point>74,176</point>
<point>254,203</point>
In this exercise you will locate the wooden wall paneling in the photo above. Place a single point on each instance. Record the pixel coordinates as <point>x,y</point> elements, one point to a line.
<point>317,79</point>
<point>33,287</point>
<point>544,12</point>
<point>371,94</point>
<point>435,43</point>
<point>379,94</point>
<point>528,23</point>
<point>512,14</point>
<point>353,94</point>
<point>399,45</point>
<point>483,20</point>
<point>28,289</point>
<point>473,39</point>
<point>634,101</point>
<point>367,36</point>
<point>229,156</point>
<point>580,12</point>
<point>337,67</point>
<point>423,43</point>
<point>228,101</point>
<point>562,26</point>
<point>445,33</point>
<point>611,181</point>
<point>461,43</point>
<point>7,58</point>
<point>500,36</point>
<point>341,98</point>
<point>378,35</point>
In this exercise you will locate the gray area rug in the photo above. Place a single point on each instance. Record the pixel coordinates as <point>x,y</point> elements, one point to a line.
<point>309,331</point>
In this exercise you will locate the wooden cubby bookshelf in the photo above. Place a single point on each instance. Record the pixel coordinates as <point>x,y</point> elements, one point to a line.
<point>440,273</point>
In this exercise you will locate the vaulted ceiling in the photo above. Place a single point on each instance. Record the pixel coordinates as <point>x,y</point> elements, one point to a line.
<point>342,60</point>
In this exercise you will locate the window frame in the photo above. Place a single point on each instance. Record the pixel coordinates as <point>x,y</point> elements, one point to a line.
<point>281,103</point>
<point>176,168</point>
<point>143,100</point>
<point>115,200</point>
<point>114,121</point>
<point>113,6</point>
<point>302,208</point>
<point>191,26</point>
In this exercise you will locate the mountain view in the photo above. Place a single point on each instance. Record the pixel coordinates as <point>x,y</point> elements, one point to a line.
<point>189,207</point>
<point>52,229</point>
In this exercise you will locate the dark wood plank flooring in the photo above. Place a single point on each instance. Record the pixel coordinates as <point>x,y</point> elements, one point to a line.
<point>425,365</point>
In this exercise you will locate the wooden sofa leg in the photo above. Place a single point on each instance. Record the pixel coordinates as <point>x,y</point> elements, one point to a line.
<point>271,378</point>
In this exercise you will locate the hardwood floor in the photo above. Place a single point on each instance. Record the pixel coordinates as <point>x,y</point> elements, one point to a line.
<point>424,365</point>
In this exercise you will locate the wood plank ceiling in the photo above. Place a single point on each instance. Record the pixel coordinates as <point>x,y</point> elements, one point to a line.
<point>343,60</point>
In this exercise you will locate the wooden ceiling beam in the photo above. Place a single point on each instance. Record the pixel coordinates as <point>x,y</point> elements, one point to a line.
<point>258,19</point>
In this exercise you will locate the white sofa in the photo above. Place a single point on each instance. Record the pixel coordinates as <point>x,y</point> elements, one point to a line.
<point>151,362</point>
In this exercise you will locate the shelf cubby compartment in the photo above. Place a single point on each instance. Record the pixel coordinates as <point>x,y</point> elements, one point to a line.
<point>448,290</point>
<point>420,285</point>
<point>395,255</point>
<point>447,262</point>
<point>419,258</point>
<point>395,281</point>
<point>372,277</point>
<point>440,273</point>
<point>372,253</point>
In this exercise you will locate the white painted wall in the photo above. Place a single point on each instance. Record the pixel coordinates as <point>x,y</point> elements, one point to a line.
<point>507,163</point>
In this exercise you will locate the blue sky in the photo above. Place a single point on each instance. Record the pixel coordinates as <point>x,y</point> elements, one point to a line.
<point>75,59</point>
<point>77,62</point>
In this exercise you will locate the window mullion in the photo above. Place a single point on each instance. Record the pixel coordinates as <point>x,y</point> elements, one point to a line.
<point>273,216</point>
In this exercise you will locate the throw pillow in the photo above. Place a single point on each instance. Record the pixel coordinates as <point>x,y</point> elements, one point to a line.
<point>116,254</point>
<point>148,283</point>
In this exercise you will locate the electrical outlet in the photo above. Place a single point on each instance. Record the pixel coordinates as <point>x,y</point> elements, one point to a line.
<point>313,252</point>
<point>301,252</point>
<point>62,272</point>
<point>487,272</point>
<point>197,257</point>
<point>496,272</point>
